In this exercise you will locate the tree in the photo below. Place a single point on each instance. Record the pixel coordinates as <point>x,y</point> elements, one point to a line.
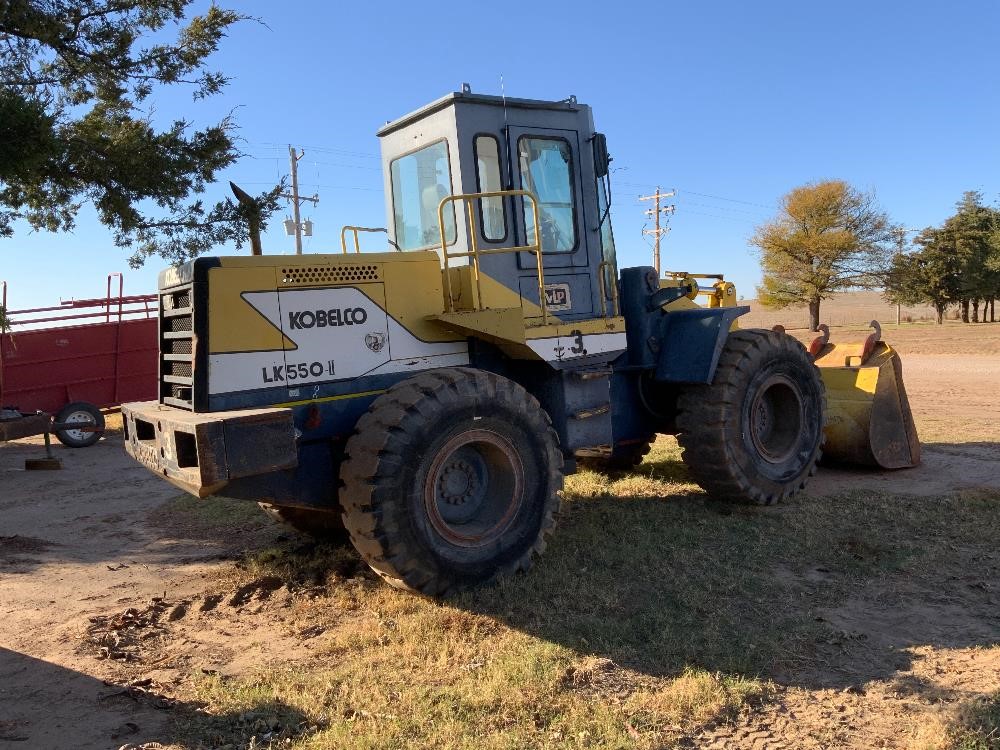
<point>993,266</point>
<point>958,263</point>
<point>932,274</point>
<point>827,238</point>
<point>74,78</point>
<point>974,226</point>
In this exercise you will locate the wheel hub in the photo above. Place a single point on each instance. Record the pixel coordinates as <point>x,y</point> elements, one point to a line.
<point>457,483</point>
<point>78,417</point>
<point>775,419</point>
<point>474,488</point>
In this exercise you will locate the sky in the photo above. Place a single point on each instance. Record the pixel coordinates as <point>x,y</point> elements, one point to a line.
<point>732,104</point>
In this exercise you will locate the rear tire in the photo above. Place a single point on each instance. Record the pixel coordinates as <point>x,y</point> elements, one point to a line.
<point>88,415</point>
<point>451,479</point>
<point>320,524</point>
<point>754,435</point>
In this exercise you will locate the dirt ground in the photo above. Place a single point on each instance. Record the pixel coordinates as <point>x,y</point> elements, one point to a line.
<point>101,545</point>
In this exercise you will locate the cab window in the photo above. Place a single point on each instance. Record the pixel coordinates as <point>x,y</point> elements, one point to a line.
<point>488,180</point>
<point>547,171</point>
<point>420,181</point>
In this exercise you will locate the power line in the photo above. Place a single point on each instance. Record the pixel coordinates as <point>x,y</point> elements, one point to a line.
<point>323,149</point>
<point>731,200</point>
<point>750,212</point>
<point>740,219</point>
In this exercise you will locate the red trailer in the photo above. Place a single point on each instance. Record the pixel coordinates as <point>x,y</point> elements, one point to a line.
<point>74,359</point>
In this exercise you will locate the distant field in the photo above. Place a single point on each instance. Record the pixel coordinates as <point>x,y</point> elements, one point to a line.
<point>844,309</point>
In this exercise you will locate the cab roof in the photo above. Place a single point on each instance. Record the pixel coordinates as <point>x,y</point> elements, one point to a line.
<point>460,97</point>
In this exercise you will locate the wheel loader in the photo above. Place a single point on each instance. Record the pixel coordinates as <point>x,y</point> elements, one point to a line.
<point>431,397</point>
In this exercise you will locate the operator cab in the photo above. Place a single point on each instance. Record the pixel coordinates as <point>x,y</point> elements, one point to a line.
<point>467,143</point>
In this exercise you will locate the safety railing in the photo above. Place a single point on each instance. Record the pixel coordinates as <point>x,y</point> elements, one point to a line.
<point>475,252</point>
<point>110,308</point>
<point>357,243</point>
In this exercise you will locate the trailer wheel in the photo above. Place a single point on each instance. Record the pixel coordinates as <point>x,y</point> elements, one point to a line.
<point>87,415</point>
<point>754,435</point>
<point>320,524</point>
<point>451,479</point>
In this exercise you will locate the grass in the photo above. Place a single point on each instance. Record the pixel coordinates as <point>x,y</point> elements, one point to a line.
<point>978,725</point>
<point>653,615</point>
<point>210,518</point>
<point>973,725</point>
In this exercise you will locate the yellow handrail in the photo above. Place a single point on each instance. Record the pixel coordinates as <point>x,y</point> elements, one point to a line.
<point>357,244</point>
<point>475,252</point>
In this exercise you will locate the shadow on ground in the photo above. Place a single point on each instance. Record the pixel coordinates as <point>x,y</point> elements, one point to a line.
<point>826,592</point>
<point>40,708</point>
<point>104,508</point>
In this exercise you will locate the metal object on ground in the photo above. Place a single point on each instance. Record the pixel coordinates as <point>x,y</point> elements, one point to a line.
<point>869,421</point>
<point>23,426</point>
<point>49,463</point>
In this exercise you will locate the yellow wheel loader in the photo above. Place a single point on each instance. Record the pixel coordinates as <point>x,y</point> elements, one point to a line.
<point>432,396</point>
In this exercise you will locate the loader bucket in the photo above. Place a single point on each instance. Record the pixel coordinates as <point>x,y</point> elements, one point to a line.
<point>868,415</point>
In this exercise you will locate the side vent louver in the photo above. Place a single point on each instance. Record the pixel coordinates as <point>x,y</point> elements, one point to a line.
<point>177,347</point>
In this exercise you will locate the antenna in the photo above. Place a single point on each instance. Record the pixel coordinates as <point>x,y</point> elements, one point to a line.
<point>506,137</point>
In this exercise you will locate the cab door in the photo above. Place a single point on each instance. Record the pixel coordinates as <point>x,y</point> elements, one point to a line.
<point>546,161</point>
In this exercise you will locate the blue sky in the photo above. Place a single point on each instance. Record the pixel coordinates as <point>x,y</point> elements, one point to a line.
<point>731,103</point>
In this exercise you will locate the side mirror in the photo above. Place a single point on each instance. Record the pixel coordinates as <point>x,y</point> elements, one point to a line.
<point>601,158</point>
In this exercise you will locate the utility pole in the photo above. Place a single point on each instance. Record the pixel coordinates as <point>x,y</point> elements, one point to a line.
<point>295,224</point>
<point>655,212</point>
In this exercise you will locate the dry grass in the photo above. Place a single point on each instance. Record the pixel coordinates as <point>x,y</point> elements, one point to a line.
<point>973,725</point>
<point>978,725</point>
<point>653,617</point>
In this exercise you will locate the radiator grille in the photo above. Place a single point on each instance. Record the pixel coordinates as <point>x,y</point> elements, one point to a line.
<point>174,324</point>
<point>181,369</point>
<point>177,300</point>
<point>176,338</point>
<point>177,346</point>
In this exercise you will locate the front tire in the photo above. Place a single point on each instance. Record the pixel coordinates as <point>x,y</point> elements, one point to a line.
<point>451,479</point>
<point>754,435</point>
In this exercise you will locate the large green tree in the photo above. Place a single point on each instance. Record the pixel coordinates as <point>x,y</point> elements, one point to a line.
<point>974,226</point>
<point>957,263</point>
<point>932,274</point>
<point>828,237</point>
<point>78,83</point>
